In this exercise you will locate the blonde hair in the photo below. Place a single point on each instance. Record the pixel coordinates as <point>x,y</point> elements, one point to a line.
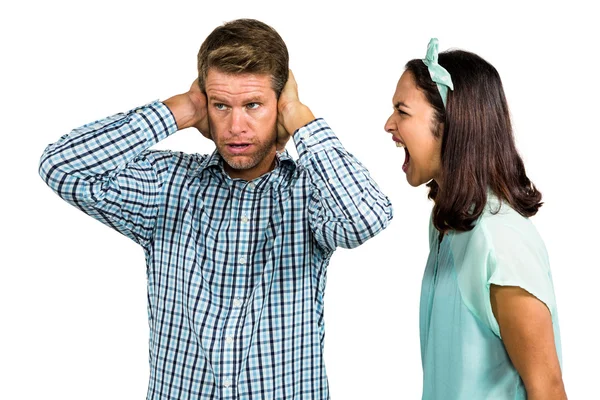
<point>245,46</point>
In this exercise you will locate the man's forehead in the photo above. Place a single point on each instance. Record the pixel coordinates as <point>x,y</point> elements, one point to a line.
<point>217,80</point>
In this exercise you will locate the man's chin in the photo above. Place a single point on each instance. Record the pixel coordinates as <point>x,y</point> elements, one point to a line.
<point>238,162</point>
<point>241,166</point>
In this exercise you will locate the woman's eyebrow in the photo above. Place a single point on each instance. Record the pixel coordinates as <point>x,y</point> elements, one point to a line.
<point>399,104</point>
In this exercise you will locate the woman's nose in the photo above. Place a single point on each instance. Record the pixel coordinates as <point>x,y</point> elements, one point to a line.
<point>389,125</point>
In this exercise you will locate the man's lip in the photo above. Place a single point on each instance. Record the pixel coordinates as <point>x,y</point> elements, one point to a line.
<point>239,148</point>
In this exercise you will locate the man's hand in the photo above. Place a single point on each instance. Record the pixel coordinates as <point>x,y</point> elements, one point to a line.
<point>190,109</point>
<point>291,113</point>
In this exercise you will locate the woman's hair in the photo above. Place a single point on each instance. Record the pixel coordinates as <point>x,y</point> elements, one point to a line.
<point>245,46</point>
<point>478,150</point>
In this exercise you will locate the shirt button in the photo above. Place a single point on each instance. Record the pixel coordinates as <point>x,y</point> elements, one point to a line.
<point>244,218</point>
<point>251,185</point>
<point>330,181</point>
<point>229,339</point>
<point>227,383</point>
<point>242,260</point>
<point>139,111</point>
<point>237,303</point>
<point>305,135</point>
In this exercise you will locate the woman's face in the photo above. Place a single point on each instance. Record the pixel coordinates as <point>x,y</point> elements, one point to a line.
<point>411,125</point>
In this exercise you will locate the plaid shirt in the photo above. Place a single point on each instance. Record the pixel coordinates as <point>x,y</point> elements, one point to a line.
<point>236,269</point>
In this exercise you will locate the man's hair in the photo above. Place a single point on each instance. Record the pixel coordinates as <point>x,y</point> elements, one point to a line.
<point>478,150</point>
<point>245,46</point>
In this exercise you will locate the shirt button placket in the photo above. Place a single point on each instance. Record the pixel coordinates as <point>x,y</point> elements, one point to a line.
<point>227,389</point>
<point>243,264</point>
<point>237,302</point>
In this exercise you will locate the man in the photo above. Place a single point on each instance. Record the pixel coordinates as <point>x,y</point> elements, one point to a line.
<point>237,242</point>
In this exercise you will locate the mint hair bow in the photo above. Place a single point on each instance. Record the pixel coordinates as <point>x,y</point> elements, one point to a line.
<point>438,74</point>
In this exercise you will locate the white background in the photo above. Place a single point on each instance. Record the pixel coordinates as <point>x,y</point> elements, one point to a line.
<point>73,292</point>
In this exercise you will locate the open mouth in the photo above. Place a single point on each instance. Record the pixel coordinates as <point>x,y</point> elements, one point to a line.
<point>407,154</point>
<point>406,160</point>
<point>238,147</point>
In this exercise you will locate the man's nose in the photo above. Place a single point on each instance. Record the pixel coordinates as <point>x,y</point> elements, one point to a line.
<point>237,121</point>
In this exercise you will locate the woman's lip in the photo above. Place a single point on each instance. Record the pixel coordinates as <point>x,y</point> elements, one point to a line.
<point>399,143</point>
<point>395,139</point>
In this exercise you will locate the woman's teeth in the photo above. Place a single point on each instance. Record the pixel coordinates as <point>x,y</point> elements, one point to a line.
<point>398,144</point>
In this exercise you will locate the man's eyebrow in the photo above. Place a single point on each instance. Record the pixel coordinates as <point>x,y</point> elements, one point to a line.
<point>257,98</point>
<point>250,99</point>
<point>216,98</point>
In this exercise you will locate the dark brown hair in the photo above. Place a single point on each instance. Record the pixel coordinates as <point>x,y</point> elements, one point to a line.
<point>478,150</point>
<point>245,46</point>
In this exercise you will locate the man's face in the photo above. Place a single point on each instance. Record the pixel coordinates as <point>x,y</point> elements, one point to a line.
<point>242,112</point>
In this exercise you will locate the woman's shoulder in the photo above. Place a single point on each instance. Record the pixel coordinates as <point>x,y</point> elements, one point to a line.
<point>504,248</point>
<point>505,230</point>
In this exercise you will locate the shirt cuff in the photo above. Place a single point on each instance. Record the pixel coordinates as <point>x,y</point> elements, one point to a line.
<point>155,120</point>
<point>314,137</point>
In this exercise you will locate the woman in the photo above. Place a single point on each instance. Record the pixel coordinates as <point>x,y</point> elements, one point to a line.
<point>488,320</point>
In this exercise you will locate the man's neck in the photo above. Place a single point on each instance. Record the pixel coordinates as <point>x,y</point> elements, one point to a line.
<point>265,166</point>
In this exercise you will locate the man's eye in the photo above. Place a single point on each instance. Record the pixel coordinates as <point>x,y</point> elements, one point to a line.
<point>220,106</point>
<point>252,106</point>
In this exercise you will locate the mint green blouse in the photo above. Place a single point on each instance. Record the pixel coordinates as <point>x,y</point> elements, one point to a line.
<point>462,351</point>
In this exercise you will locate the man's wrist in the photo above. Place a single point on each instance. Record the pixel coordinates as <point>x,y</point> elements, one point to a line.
<point>295,116</point>
<point>180,108</point>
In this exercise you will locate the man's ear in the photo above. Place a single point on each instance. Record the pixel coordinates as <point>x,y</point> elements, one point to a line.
<point>208,134</point>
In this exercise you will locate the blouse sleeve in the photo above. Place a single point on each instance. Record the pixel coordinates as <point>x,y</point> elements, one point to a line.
<point>512,253</point>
